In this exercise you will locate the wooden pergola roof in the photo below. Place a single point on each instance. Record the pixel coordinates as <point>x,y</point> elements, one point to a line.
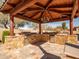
<point>42,11</point>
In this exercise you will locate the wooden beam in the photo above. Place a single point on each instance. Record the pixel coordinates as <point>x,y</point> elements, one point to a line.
<point>71,27</point>
<point>47,5</point>
<point>23,6</point>
<point>75,8</point>
<point>40,28</point>
<point>11,25</point>
<point>78,5</point>
<point>27,18</point>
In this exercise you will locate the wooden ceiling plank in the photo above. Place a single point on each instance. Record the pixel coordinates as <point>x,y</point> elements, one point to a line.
<point>27,18</point>
<point>50,15</point>
<point>41,16</point>
<point>62,9</point>
<point>49,1</point>
<point>22,6</point>
<point>60,6</point>
<point>40,5</point>
<point>35,14</point>
<point>14,1</point>
<point>58,20</point>
<point>59,11</point>
<point>31,13</point>
<point>60,2</point>
<point>63,12</point>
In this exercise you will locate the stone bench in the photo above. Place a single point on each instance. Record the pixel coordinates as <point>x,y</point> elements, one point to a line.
<point>72,50</point>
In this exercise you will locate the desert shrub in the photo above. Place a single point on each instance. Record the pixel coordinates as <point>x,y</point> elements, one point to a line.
<point>5,33</point>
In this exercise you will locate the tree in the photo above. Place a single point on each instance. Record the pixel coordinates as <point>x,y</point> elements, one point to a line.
<point>64,25</point>
<point>33,25</point>
<point>4,20</point>
<point>20,22</point>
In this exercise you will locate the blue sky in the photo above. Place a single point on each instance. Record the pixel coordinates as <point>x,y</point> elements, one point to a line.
<point>55,24</point>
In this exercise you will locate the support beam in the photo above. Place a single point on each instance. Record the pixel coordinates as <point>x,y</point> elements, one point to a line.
<point>11,25</point>
<point>75,8</point>
<point>71,27</point>
<point>78,5</point>
<point>40,28</point>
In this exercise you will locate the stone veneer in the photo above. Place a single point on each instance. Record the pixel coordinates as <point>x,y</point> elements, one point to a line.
<point>38,37</point>
<point>12,42</point>
<point>62,39</point>
<point>18,41</point>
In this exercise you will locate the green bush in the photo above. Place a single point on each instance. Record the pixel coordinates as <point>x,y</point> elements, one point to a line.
<point>5,33</point>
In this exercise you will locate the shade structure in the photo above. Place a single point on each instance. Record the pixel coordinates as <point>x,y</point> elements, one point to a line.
<point>40,10</point>
<point>43,11</point>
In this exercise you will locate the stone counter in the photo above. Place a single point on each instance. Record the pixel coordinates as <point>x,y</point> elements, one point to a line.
<point>38,38</point>
<point>62,39</point>
<point>12,42</point>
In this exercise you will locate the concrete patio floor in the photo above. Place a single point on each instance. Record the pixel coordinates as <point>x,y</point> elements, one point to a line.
<point>41,50</point>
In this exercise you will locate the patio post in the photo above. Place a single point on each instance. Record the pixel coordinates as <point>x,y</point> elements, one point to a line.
<point>39,28</point>
<point>11,25</point>
<point>78,5</point>
<point>71,26</point>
